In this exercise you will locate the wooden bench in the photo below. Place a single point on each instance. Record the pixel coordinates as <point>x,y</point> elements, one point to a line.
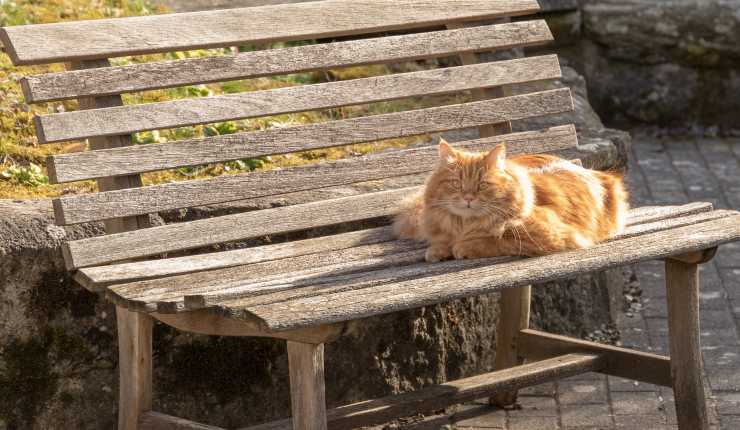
<point>305,291</point>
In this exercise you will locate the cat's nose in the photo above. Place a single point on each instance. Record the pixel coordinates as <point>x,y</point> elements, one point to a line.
<point>469,199</point>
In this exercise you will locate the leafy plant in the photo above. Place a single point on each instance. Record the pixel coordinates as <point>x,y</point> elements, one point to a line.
<point>30,175</point>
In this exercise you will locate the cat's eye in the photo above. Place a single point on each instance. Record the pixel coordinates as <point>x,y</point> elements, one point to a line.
<point>482,186</point>
<point>454,183</point>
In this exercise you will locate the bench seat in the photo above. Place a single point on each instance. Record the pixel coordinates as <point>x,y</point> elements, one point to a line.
<point>359,274</point>
<point>305,291</point>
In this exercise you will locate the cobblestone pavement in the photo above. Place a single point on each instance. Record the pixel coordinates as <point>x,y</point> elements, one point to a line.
<point>671,171</point>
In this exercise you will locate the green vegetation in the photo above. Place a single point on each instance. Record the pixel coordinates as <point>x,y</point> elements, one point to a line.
<point>22,159</point>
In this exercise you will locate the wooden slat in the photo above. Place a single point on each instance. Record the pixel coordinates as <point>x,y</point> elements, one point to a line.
<point>70,41</point>
<point>362,302</point>
<point>307,137</point>
<point>166,295</point>
<point>88,207</point>
<point>528,142</point>
<point>159,421</point>
<point>622,362</point>
<point>408,47</point>
<point>438,397</point>
<point>156,240</point>
<point>96,277</point>
<point>179,113</point>
<point>309,275</point>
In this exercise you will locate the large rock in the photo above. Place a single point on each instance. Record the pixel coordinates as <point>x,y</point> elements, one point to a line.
<point>658,62</point>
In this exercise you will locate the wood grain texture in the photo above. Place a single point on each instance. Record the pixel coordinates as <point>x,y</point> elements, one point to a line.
<point>88,207</point>
<point>392,297</point>
<point>323,56</point>
<point>529,142</point>
<point>438,397</point>
<point>514,309</point>
<point>621,362</point>
<point>684,341</point>
<point>486,130</point>
<point>104,38</point>
<point>77,125</point>
<point>267,277</point>
<point>307,392</point>
<point>236,146</point>
<point>305,276</point>
<point>159,421</point>
<point>135,366</point>
<point>642,220</point>
<point>203,322</point>
<point>156,240</point>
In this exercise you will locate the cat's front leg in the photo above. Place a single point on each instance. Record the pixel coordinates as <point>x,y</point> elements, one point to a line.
<point>476,248</point>
<point>438,252</point>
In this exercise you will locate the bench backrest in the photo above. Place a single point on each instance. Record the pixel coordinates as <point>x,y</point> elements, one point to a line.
<point>123,204</point>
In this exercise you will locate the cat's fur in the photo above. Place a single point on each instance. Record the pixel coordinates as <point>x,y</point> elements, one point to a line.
<point>484,205</point>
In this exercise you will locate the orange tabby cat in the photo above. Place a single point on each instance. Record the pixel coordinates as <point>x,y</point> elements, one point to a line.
<point>484,205</point>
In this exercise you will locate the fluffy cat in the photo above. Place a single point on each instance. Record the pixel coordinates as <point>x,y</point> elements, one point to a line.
<point>478,205</point>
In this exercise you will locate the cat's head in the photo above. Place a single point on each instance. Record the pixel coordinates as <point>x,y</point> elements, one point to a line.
<point>474,184</point>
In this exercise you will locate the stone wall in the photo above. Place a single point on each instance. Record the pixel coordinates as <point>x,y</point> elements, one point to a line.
<point>667,63</point>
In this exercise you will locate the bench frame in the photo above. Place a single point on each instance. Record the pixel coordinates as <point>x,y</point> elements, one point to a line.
<point>524,357</point>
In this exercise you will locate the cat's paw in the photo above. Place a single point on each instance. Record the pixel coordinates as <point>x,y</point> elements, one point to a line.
<point>437,253</point>
<point>461,252</point>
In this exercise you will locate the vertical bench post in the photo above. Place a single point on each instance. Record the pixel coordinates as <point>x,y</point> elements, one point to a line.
<point>307,391</point>
<point>682,283</point>
<point>134,328</point>
<point>514,303</point>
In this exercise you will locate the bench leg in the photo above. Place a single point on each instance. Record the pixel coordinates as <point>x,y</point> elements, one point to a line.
<point>135,367</point>
<point>513,317</point>
<point>306,363</point>
<point>682,282</point>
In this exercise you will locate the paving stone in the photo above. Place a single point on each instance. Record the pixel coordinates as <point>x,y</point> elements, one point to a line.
<point>535,406</point>
<point>533,423</point>
<point>617,384</point>
<point>598,416</point>
<point>635,403</point>
<point>729,422</point>
<point>582,392</point>
<point>479,416</point>
<point>728,403</point>
<point>646,422</point>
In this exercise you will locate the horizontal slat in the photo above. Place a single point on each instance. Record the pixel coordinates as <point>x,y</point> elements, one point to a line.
<point>275,182</point>
<point>622,362</point>
<point>156,240</point>
<point>260,279</point>
<point>149,76</point>
<point>97,277</point>
<point>360,302</point>
<point>82,40</point>
<point>158,421</point>
<point>438,397</point>
<point>179,113</point>
<point>145,158</point>
<point>279,281</point>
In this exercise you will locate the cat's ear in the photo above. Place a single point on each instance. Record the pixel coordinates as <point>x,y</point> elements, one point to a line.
<point>446,153</point>
<point>496,158</point>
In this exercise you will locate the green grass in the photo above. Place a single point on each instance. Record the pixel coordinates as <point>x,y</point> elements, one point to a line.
<point>22,159</point>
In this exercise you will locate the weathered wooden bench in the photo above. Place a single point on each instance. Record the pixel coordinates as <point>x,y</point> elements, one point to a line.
<point>305,291</point>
